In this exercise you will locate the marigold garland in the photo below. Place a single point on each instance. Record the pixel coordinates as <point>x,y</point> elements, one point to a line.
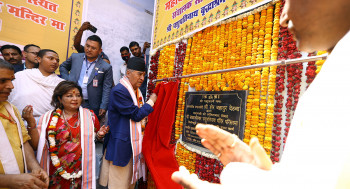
<point>180,55</point>
<point>287,50</point>
<point>276,143</point>
<point>319,63</point>
<point>252,107</point>
<point>180,109</point>
<point>187,68</point>
<point>310,71</point>
<point>54,150</point>
<point>185,158</point>
<point>293,87</point>
<point>152,73</point>
<point>280,88</point>
<point>166,62</point>
<point>208,169</point>
<point>272,75</point>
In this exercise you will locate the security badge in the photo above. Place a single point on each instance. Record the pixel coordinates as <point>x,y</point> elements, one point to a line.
<point>95,80</point>
<point>85,80</point>
<point>95,83</point>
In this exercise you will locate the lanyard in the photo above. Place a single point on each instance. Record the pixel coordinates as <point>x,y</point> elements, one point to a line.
<point>88,66</point>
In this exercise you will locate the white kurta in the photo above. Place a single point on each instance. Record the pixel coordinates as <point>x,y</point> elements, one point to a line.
<point>318,143</point>
<point>32,88</point>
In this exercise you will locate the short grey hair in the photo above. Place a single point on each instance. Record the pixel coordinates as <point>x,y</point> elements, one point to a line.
<point>5,65</point>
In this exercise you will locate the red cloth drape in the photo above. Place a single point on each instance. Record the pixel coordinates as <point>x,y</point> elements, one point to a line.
<point>156,147</point>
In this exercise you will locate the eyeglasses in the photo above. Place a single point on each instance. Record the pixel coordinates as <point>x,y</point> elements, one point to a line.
<point>35,53</point>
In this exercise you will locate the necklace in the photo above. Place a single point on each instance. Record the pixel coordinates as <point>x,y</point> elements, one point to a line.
<point>54,150</point>
<point>69,126</point>
<point>76,124</point>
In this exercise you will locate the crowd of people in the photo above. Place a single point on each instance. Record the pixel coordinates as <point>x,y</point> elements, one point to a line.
<point>49,123</point>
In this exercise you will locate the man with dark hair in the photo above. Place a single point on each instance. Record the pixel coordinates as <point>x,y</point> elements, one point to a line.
<point>136,51</point>
<point>13,55</point>
<point>125,54</point>
<point>92,73</point>
<point>16,154</point>
<point>78,36</point>
<point>35,86</point>
<point>30,53</point>
<point>123,164</point>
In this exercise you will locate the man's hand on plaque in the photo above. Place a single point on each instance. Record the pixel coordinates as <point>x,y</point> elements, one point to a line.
<point>229,148</point>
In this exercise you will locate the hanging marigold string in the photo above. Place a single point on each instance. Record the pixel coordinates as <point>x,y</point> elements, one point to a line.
<point>180,54</point>
<point>319,63</point>
<point>310,71</point>
<point>185,158</point>
<point>252,107</point>
<point>153,72</point>
<point>271,89</point>
<point>208,169</point>
<point>280,88</point>
<point>166,62</point>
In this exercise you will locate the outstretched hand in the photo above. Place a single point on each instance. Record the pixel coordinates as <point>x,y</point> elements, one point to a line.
<point>103,131</point>
<point>191,181</point>
<point>153,97</point>
<point>229,148</point>
<point>146,45</point>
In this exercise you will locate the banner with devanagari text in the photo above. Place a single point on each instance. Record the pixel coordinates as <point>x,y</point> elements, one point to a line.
<point>50,24</point>
<point>175,18</point>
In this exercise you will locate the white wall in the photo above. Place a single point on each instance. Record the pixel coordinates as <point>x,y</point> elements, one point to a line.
<point>119,22</point>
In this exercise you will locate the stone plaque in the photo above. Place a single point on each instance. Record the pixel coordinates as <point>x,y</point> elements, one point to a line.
<point>225,109</point>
